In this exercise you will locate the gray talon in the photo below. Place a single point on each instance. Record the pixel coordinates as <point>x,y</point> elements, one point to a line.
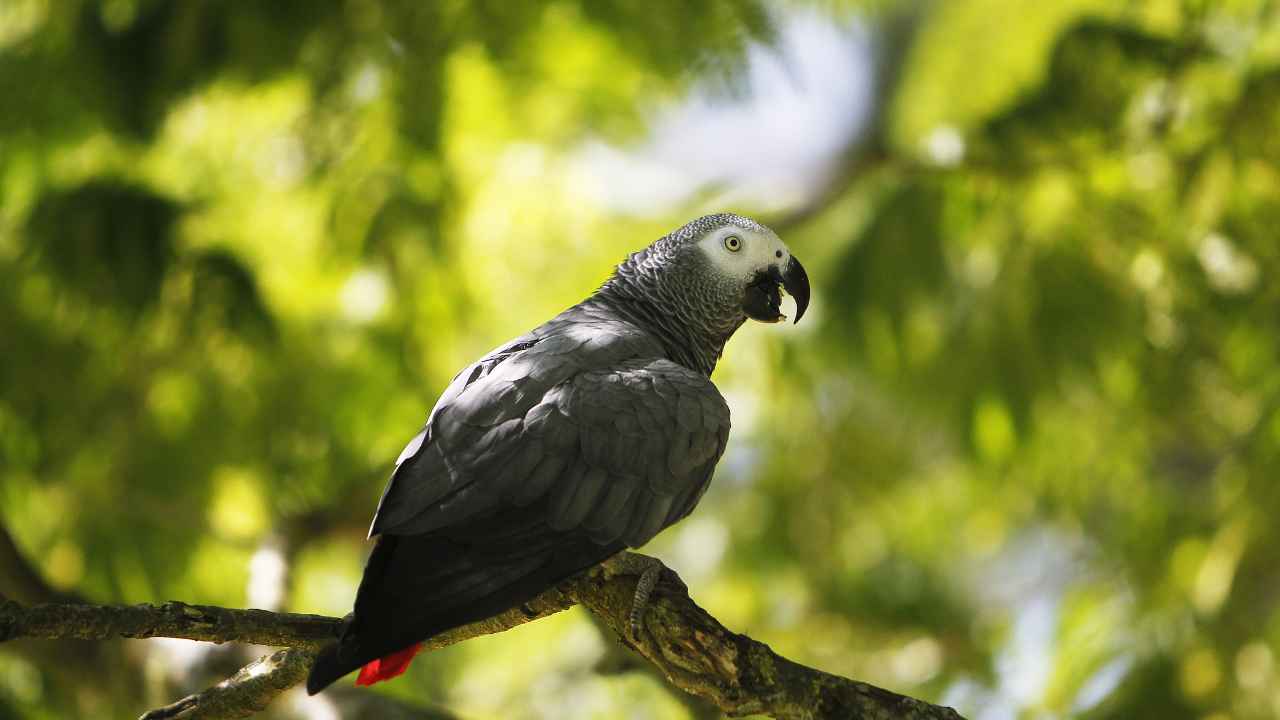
<point>648,569</point>
<point>644,587</point>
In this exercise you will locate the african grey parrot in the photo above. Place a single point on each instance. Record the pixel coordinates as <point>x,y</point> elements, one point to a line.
<point>559,449</point>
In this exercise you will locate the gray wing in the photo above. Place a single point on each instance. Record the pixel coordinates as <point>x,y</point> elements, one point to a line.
<point>618,446</point>
<point>626,451</point>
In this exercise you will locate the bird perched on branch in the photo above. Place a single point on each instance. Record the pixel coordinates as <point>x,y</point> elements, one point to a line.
<point>563,447</point>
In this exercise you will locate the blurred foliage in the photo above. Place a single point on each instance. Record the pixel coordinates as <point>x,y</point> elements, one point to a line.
<point>1020,461</point>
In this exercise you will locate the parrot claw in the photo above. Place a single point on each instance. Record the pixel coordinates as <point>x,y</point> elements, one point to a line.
<point>649,570</point>
<point>644,587</point>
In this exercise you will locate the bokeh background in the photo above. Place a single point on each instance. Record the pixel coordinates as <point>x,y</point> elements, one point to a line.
<point>1020,459</point>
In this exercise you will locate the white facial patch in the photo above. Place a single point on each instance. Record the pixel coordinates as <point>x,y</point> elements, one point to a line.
<point>755,251</point>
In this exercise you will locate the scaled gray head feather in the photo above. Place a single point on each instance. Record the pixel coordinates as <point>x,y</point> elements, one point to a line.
<point>695,286</point>
<point>694,229</point>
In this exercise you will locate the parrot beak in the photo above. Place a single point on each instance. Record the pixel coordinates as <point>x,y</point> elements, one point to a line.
<point>796,282</point>
<point>763,301</point>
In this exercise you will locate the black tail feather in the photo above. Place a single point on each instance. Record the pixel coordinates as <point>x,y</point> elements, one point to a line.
<point>417,586</point>
<point>327,669</point>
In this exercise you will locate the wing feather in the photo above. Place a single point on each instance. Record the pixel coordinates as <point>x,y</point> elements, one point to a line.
<point>540,480</point>
<point>588,487</point>
<point>620,446</point>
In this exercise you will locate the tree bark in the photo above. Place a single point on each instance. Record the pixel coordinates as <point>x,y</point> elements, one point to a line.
<point>687,645</point>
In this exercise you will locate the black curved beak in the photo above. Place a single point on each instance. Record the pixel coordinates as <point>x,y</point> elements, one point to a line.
<point>796,282</point>
<point>763,301</point>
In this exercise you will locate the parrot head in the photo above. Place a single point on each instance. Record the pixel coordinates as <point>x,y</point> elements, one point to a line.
<point>752,264</point>
<point>701,282</point>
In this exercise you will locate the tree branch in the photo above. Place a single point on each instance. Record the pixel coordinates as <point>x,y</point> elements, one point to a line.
<point>172,620</point>
<point>739,675</point>
<point>692,649</point>
<point>247,692</point>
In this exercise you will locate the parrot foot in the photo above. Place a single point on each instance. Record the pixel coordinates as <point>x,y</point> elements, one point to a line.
<point>649,569</point>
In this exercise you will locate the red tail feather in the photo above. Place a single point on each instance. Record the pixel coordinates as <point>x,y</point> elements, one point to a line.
<point>385,668</point>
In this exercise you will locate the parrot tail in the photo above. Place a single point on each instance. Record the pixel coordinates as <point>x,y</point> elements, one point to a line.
<point>334,661</point>
<point>385,668</point>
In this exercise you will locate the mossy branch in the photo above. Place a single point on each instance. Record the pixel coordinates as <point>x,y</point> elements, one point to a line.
<point>692,649</point>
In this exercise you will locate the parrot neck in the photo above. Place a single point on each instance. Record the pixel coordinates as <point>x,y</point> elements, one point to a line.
<point>689,339</point>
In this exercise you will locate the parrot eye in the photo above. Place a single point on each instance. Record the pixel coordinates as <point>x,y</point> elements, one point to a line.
<point>733,243</point>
